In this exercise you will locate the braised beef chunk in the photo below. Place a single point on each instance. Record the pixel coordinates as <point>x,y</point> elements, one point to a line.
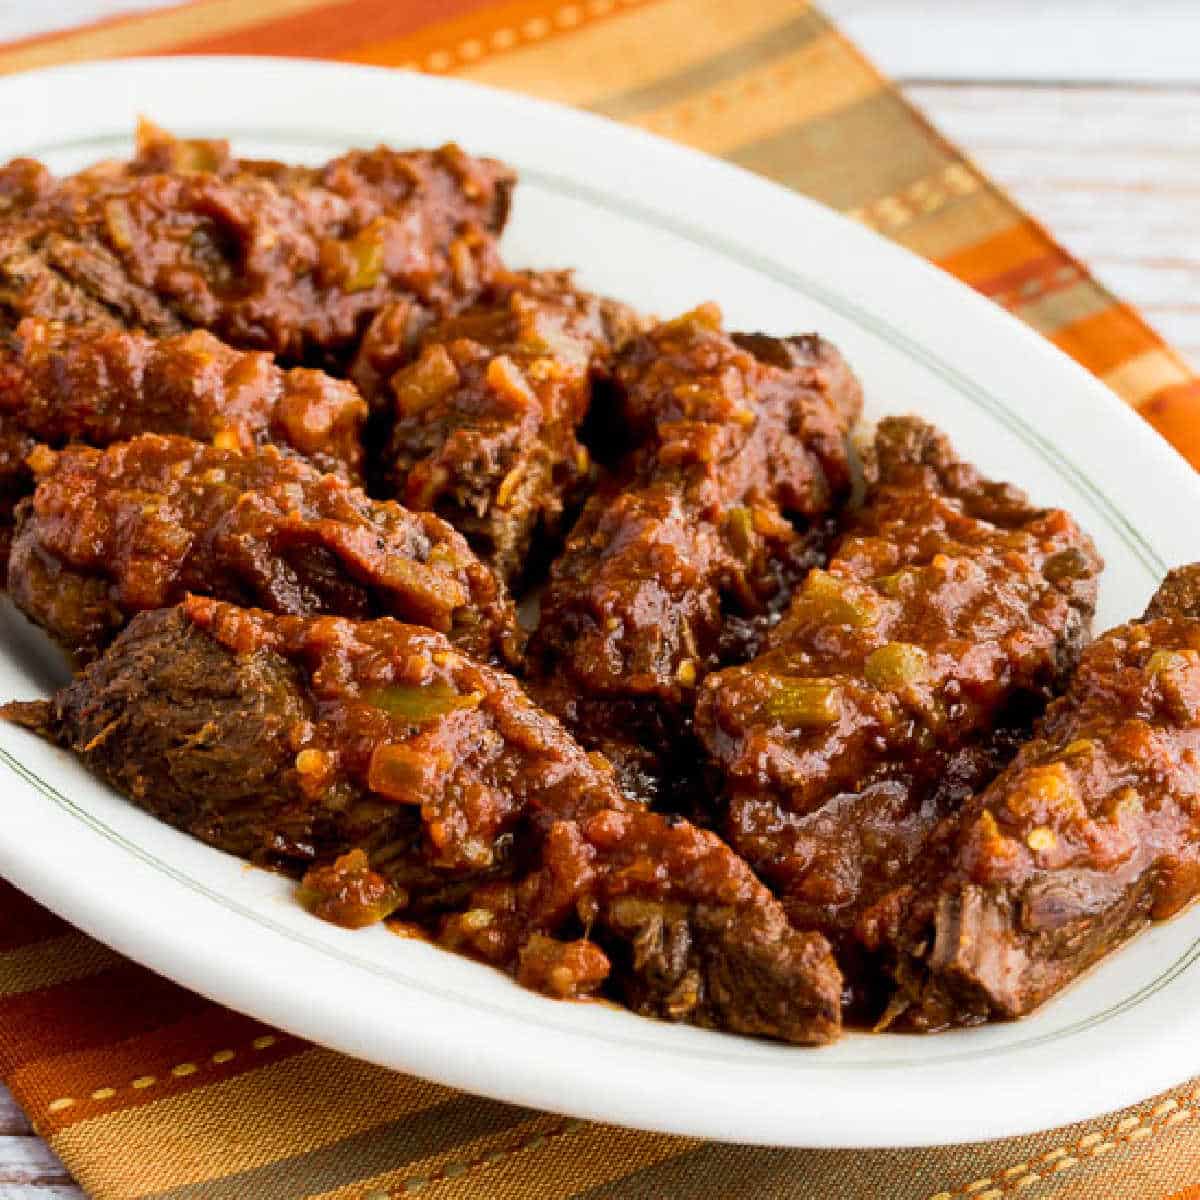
<point>1178,595</point>
<point>949,613</point>
<point>375,735</point>
<point>110,533</point>
<point>734,464</point>
<point>1089,834</point>
<point>92,384</point>
<point>157,150</point>
<point>22,182</point>
<point>484,419</point>
<point>294,260</point>
<point>208,748</point>
<point>706,944</point>
<point>809,352</point>
<point>46,274</point>
<point>411,780</point>
<point>61,383</point>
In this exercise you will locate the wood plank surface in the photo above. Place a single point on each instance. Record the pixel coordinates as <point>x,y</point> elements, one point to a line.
<point>1103,41</point>
<point>29,1169</point>
<point>12,1119</point>
<point>29,1162</point>
<point>1112,171</point>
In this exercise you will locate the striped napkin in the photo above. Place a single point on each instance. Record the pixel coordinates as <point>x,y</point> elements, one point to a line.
<point>146,1090</point>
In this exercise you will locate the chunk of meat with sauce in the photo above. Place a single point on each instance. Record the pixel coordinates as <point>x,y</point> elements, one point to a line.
<point>1091,833</point>
<point>410,779</point>
<point>110,533</point>
<point>294,260</point>
<point>91,384</point>
<point>739,457</point>
<point>689,932</point>
<point>897,682</point>
<point>25,181</point>
<point>485,418</point>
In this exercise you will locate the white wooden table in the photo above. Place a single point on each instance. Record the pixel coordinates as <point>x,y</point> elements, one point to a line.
<point>1088,111</point>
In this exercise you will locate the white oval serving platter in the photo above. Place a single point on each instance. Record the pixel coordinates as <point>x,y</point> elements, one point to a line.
<point>664,228</point>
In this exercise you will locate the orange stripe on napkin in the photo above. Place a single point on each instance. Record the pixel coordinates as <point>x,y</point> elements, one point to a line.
<point>1003,252</point>
<point>1103,341</point>
<point>499,29</point>
<point>208,1045</point>
<point>332,30</point>
<point>122,1002</point>
<point>1175,413</point>
<point>149,33</point>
